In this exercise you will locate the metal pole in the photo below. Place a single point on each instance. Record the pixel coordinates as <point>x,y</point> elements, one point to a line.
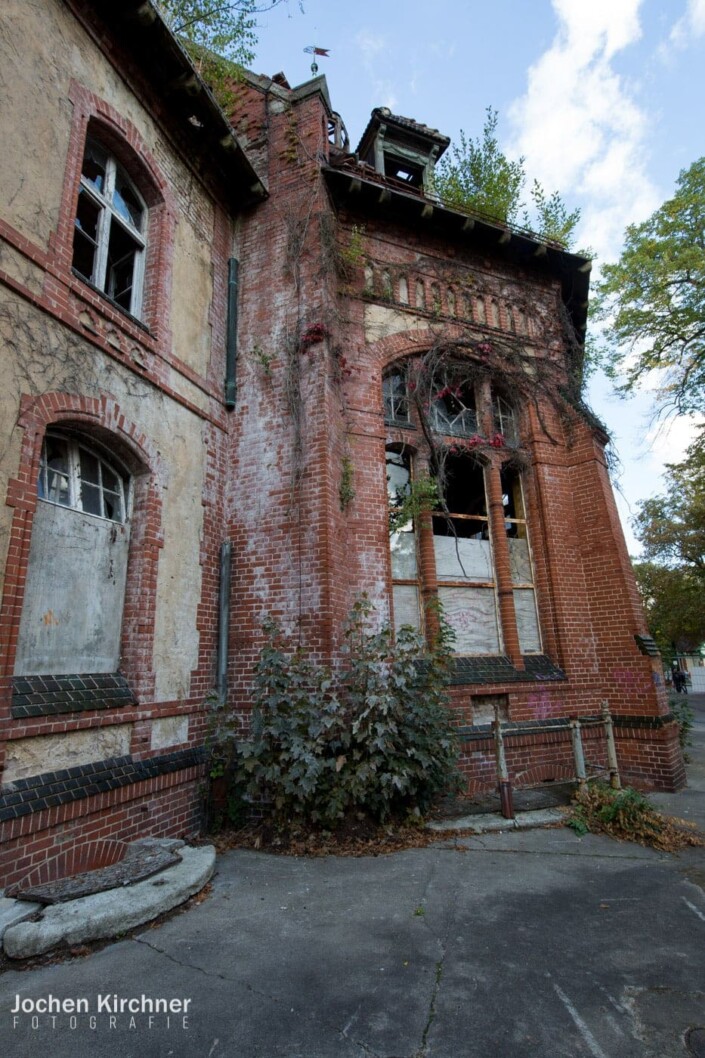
<point>615,782</point>
<point>223,621</point>
<point>578,755</point>
<point>231,335</point>
<point>505,789</point>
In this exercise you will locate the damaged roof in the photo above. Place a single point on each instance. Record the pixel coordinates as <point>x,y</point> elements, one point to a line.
<point>384,116</point>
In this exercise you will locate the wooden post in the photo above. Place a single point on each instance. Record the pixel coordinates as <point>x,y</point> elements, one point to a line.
<point>578,755</point>
<point>615,782</point>
<point>505,789</point>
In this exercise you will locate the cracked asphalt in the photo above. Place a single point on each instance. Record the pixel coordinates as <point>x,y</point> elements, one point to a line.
<point>534,944</point>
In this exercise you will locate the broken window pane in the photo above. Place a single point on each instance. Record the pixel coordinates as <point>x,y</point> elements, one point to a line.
<point>505,420</point>
<point>453,410</point>
<point>125,201</point>
<point>122,251</point>
<point>396,398</point>
<point>94,165</point>
<point>91,500</point>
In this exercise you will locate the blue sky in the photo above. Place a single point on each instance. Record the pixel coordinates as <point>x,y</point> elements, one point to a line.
<point>604,98</point>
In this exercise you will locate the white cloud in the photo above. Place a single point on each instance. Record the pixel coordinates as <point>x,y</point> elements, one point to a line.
<point>579,126</point>
<point>371,47</point>
<point>692,24</point>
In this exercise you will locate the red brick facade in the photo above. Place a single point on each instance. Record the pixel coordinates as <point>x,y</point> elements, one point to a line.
<point>343,275</point>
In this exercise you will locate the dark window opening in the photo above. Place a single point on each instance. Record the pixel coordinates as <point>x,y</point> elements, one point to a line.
<point>406,172</point>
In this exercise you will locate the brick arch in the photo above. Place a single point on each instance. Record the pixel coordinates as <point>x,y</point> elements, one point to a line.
<point>103,418</point>
<point>410,343</point>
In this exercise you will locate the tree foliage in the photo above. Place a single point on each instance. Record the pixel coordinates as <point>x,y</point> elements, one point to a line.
<point>673,601</point>
<point>671,576</point>
<point>671,526</point>
<point>477,175</point>
<point>653,300</point>
<point>224,28</point>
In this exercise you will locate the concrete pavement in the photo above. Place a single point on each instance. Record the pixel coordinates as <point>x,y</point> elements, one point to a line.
<point>523,944</point>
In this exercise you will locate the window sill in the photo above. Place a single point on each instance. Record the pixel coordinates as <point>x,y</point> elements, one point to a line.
<point>113,304</point>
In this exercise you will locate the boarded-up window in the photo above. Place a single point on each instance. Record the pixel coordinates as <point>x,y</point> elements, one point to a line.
<point>72,611</point>
<point>464,565</point>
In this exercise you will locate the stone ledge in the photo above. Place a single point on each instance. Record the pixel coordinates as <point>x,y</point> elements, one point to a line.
<point>104,915</point>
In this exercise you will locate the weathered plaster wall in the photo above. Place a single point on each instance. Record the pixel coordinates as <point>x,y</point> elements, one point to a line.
<point>48,358</point>
<point>34,756</point>
<point>35,89</point>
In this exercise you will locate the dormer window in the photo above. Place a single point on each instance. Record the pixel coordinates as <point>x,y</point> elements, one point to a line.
<point>401,149</point>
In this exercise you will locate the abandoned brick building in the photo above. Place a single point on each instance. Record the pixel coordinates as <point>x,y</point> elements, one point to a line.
<point>225,352</point>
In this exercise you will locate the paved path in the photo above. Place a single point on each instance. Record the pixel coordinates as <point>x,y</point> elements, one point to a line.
<point>533,944</point>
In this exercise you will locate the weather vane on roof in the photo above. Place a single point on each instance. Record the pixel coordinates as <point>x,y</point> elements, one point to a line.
<point>312,49</point>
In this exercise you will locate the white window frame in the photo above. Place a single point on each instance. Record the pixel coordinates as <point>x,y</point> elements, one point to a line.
<point>74,446</point>
<point>108,216</point>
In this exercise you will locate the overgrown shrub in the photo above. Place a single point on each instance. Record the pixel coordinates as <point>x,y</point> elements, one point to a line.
<point>683,713</point>
<point>629,815</point>
<point>373,737</point>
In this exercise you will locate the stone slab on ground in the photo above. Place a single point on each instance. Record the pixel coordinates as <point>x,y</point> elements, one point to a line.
<point>110,913</point>
<point>14,911</point>
<point>492,822</point>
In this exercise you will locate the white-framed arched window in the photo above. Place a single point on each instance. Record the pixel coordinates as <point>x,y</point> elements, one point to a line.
<point>110,226</point>
<point>75,475</point>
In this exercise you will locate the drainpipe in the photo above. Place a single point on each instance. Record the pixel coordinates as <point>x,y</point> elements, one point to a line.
<point>231,335</point>
<point>223,621</point>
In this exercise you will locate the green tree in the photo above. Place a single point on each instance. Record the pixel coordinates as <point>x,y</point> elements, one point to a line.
<point>671,575</point>
<point>227,28</point>
<point>477,175</point>
<point>652,301</point>
<point>671,527</point>
<point>673,604</point>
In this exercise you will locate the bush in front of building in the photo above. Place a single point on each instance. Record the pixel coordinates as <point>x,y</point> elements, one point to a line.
<point>373,738</point>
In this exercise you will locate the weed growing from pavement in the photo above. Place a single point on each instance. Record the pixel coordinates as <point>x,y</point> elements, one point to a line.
<point>629,816</point>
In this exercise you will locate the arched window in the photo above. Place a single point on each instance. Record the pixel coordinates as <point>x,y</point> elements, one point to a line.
<point>110,226</point>
<point>474,425</point>
<point>72,610</point>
